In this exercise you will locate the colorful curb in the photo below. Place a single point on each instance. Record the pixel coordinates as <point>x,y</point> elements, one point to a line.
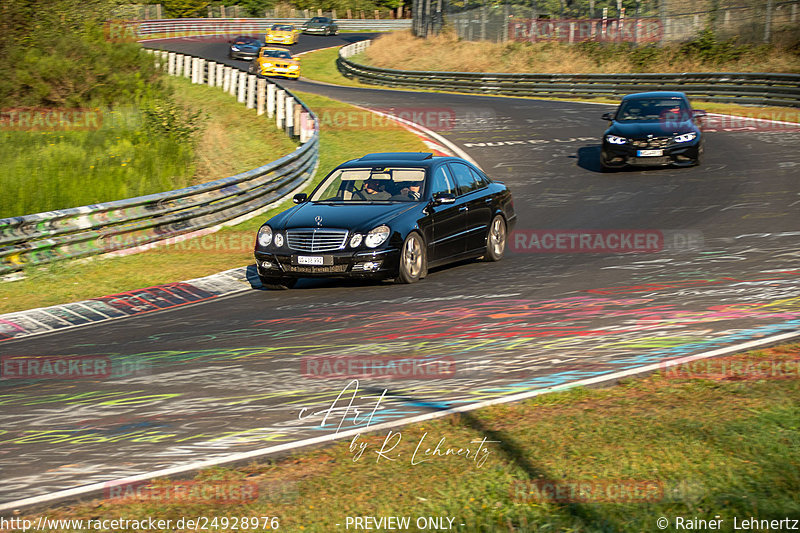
<point>122,305</point>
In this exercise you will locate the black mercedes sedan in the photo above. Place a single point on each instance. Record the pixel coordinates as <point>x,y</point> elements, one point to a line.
<point>320,26</point>
<point>244,47</point>
<point>387,216</point>
<point>653,129</point>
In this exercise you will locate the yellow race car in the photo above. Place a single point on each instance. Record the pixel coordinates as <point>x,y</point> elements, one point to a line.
<point>274,61</point>
<point>282,34</point>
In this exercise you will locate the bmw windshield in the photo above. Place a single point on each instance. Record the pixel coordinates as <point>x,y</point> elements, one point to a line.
<point>653,110</point>
<point>359,185</point>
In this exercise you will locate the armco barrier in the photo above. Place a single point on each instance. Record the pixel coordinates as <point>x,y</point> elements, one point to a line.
<point>757,88</point>
<point>101,228</point>
<point>165,29</point>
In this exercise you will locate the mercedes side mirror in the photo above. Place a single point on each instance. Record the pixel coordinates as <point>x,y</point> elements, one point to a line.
<point>300,198</point>
<point>608,116</point>
<point>698,113</point>
<point>441,198</point>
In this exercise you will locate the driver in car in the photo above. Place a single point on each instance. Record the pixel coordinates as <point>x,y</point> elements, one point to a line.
<point>374,190</point>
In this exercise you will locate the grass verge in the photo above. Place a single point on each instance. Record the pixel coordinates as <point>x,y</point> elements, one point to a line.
<point>233,137</point>
<point>445,52</point>
<point>711,438</point>
<point>321,66</point>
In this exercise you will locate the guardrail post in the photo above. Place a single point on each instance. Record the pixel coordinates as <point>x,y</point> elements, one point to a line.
<point>226,79</point>
<point>193,70</point>
<point>297,109</point>
<point>251,91</point>
<point>271,100</point>
<point>289,103</point>
<point>201,71</point>
<point>242,86</point>
<point>178,64</point>
<point>234,79</point>
<point>220,74</point>
<point>171,63</point>
<point>212,73</point>
<point>261,96</point>
<point>187,66</point>
<point>280,108</point>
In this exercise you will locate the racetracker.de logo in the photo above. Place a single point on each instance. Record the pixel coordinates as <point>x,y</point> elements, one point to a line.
<point>587,491</point>
<point>366,366</point>
<point>182,492</point>
<point>50,119</point>
<point>49,367</point>
<point>434,118</point>
<point>616,241</point>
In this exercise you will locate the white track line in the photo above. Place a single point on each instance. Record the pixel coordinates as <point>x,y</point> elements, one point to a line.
<point>238,457</point>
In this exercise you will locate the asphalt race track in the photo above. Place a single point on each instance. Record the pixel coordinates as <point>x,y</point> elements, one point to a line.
<point>227,375</point>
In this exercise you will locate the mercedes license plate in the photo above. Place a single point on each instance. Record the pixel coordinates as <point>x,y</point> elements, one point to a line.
<point>310,260</point>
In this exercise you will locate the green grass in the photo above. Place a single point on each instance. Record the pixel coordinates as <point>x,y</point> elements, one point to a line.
<point>705,447</point>
<point>228,248</point>
<point>321,66</point>
<point>48,170</point>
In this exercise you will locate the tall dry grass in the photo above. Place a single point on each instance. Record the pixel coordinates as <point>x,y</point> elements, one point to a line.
<point>401,50</point>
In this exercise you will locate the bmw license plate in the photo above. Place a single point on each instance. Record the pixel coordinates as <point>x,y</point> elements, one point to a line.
<point>649,153</point>
<point>310,260</point>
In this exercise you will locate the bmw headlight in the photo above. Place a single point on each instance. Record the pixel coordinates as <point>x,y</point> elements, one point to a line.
<point>268,65</point>
<point>264,236</point>
<point>278,239</point>
<point>686,137</point>
<point>269,36</point>
<point>293,67</point>
<point>355,240</point>
<point>615,139</point>
<point>377,236</point>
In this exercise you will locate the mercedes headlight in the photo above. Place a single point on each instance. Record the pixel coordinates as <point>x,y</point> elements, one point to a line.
<point>377,236</point>
<point>278,239</point>
<point>264,236</point>
<point>235,48</point>
<point>686,137</point>
<point>615,139</point>
<point>355,240</point>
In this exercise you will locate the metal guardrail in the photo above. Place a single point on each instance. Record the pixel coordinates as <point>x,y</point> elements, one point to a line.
<point>759,88</point>
<point>165,29</point>
<point>106,227</point>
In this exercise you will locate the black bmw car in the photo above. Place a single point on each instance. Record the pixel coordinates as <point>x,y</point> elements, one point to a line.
<point>244,47</point>
<point>387,216</point>
<point>653,129</point>
<point>320,26</point>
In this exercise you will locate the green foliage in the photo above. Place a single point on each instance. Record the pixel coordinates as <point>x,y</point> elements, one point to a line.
<point>706,47</point>
<point>168,119</point>
<point>59,56</point>
<point>256,8</point>
<point>185,8</point>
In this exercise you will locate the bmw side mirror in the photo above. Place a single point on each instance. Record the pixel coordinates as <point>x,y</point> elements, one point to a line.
<point>698,113</point>
<point>608,116</point>
<point>300,198</point>
<point>442,198</point>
